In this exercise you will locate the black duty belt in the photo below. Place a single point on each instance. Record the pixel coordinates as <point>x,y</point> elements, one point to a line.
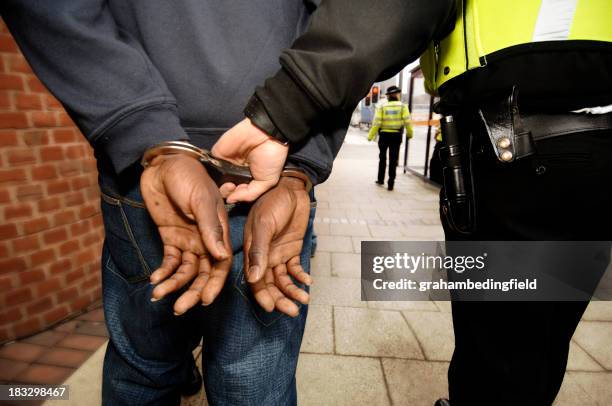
<point>512,134</point>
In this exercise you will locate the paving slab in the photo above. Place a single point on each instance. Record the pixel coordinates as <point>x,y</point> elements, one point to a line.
<point>82,342</point>
<point>374,333</point>
<point>340,380</point>
<point>319,333</point>
<point>434,330</point>
<point>23,352</point>
<point>407,305</point>
<point>350,229</point>
<point>595,337</point>
<point>334,243</point>
<point>357,241</point>
<point>96,315</point>
<point>598,311</point>
<point>346,265</point>
<point>321,228</point>
<point>423,233</point>
<point>92,328</point>
<point>11,368</point>
<point>386,232</point>
<point>415,383</point>
<point>358,214</point>
<point>64,357</point>
<point>572,394</point>
<point>336,291</point>
<point>47,338</point>
<point>331,212</point>
<point>37,374</point>
<point>444,305</point>
<point>580,360</point>
<point>598,385</point>
<point>320,264</point>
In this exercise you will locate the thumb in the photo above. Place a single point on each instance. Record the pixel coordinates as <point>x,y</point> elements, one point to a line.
<point>226,189</point>
<point>251,191</point>
<point>263,232</point>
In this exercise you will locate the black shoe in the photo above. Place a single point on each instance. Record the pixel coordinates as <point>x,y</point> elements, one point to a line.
<point>390,186</point>
<point>442,402</point>
<point>379,183</point>
<point>193,384</point>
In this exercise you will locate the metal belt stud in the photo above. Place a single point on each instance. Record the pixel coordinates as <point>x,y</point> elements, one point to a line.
<point>503,142</point>
<point>506,156</point>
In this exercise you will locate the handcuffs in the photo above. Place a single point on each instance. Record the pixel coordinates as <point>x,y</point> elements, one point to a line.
<point>220,170</point>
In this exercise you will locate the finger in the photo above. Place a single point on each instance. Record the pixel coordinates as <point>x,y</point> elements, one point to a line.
<point>193,295</point>
<point>262,296</point>
<point>220,269</point>
<point>211,227</point>
<point>288,287</point>
<point>185,272</point>
<point>251,191</point>
<point>261,235</point>
<point>295,269</point>
<point>287,307</point>
<point>218,276</point>
<point>170,261</point>
<point>226,189</point>
<point>281,302</point>
<point>246,246</point>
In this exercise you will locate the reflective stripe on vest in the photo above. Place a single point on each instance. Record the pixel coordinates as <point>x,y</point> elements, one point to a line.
<point>486,26</point>
<point>554,20</point>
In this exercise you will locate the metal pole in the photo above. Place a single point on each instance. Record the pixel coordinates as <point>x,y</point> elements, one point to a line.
<point>431,102</point>
<point>409,108</point>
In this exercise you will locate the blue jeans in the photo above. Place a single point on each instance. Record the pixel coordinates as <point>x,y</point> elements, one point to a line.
<point>249,356</point>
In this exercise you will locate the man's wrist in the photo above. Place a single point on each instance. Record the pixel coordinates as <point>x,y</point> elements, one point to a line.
<point>257,114</point>
<point>293,172</point>
<point>292,183</point>
<point>161,159</point>
<point>158,153</point>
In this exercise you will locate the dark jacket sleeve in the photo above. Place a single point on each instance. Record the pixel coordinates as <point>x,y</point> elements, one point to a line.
<point>99,73</point>
<point>349,45</point>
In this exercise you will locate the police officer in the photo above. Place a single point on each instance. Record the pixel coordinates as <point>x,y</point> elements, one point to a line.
<point>525,85</point>
<point>389,122</point>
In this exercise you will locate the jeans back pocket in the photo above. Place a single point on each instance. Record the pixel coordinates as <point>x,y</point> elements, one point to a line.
<point>131,237</point>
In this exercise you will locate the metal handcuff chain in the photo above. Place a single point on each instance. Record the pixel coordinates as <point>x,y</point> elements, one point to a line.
<point>220,170</point>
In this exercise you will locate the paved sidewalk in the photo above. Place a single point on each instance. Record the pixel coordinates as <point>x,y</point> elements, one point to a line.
<point>51,356</point>
<point>383,353</point>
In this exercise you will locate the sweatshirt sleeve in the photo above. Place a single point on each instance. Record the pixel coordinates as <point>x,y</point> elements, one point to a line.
<point>99,73</point>
<point>349,45</point>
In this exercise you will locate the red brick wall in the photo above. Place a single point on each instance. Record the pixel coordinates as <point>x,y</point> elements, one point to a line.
<point>50,223</point>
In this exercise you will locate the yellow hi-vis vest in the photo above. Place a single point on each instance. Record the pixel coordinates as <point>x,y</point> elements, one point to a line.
<point>486,26</point>
<point>391,117</point>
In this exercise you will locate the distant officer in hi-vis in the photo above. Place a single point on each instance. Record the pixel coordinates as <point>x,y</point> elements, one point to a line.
<point>389,122</point>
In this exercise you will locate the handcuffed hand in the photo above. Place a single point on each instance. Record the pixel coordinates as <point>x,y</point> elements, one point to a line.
<point>273,239</point>
<point>246,144</point>
<point>192,222</point>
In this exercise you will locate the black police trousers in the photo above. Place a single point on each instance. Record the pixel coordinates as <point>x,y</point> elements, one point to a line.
<point>388,141</point>
<point>515,353</point>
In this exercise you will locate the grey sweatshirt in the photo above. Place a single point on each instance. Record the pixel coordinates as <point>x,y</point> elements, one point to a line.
<point>135,73</point>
